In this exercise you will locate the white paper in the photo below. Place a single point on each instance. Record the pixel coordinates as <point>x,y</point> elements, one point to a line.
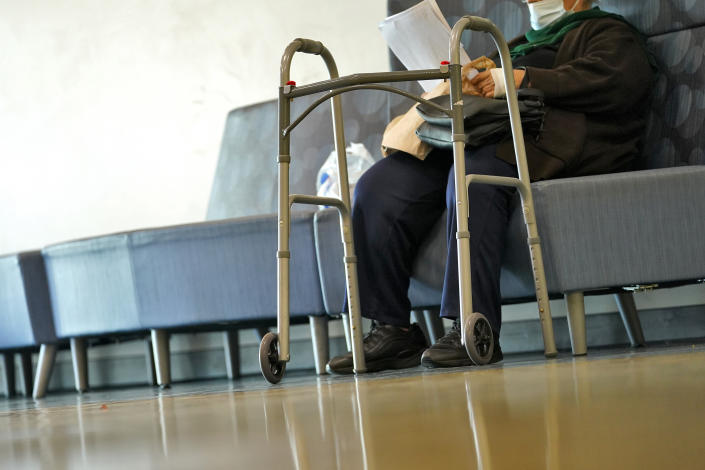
<point>420,38</point>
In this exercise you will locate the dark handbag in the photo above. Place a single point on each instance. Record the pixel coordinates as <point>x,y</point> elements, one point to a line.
<point>486,119</point>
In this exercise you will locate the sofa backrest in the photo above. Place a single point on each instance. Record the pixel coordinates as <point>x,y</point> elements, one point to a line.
<point>676,35</point>
<point>246,177</point>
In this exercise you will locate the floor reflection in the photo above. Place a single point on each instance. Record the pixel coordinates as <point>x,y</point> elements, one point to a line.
<point>632,412</point>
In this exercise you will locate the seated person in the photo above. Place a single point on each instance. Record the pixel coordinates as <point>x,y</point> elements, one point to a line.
<point>596,76</point>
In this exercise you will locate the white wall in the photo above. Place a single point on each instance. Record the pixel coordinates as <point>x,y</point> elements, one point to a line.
<point>111,111</point>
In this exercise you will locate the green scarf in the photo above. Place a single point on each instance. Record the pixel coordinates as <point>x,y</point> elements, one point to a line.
<point>555,32</point>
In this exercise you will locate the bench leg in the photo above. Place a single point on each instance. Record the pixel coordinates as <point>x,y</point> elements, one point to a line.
<point>346,328</point>
<point>45,364</point>
<point>630,317</point>
<point>319,338</point>
<point>160,346</point>
<point>231,343</point>
<point>434,325</point>
<point>79,359</point>
<point>261,331</point>
<point>418,318</point>
<point>8,360</point>
<point>26,369</point>
<point>576,322</point>
<point>149,362</point>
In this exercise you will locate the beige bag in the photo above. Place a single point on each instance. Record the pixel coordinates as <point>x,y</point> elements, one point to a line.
<point>400,133</point>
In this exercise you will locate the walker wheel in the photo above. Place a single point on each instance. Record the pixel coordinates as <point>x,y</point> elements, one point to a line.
<point>272,368</point>
<point>479,340</point>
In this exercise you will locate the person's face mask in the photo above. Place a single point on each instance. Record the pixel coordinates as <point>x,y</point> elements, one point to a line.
<point>545,12</point>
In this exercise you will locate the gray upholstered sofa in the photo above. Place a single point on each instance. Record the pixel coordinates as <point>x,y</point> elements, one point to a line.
<point>599,234</point>
<point>214,275</point>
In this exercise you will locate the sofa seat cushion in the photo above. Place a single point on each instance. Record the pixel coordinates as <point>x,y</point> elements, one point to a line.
<point>184,275</point>
<point>596,232</point>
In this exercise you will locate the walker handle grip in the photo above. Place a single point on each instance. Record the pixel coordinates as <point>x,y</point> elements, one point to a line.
<point>309,46</point>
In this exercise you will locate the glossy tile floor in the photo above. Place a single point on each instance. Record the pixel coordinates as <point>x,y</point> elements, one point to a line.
<point>623,411</point>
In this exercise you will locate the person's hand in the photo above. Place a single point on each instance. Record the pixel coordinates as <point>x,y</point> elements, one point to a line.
<point>485,84</point>
<point>468,87</point>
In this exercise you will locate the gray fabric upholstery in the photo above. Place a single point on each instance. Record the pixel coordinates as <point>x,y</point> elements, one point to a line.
<point>92,286</point>
<point>674,136</point>
<point>246,179</point>
<point>626,228</point>
<point>25,310</point>
<point>195,274</point>
<point>654,17</point>
<point>222,271</point>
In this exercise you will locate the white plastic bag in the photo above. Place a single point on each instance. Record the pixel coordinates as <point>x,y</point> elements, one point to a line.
<point>359,160</point>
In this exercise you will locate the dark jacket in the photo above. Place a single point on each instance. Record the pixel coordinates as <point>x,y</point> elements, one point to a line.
<point>597,98</point>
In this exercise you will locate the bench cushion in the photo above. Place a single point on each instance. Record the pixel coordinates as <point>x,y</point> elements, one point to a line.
<point>194,274</point>
<point>596,232</point>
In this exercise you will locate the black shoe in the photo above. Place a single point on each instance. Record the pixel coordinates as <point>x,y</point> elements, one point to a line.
<point>450,352</point>
<point>385,347</point>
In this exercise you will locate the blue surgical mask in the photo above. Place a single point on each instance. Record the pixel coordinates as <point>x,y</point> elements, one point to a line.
<point>545,12</point>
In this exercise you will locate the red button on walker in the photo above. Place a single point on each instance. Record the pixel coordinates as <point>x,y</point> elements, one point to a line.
<point>445,62</point>
<point>291,82</point>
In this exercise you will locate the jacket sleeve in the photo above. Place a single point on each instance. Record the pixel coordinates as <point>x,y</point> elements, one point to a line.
<point>611,75</point>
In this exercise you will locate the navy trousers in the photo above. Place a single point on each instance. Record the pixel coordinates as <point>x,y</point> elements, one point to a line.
<point>397,202</point>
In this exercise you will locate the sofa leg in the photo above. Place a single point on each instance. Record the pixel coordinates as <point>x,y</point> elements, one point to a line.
<point>630,318</point>
<point>79,359</point>
<point>45,364</point>
<point>149,362</point>
<point>160,346</point>
<point>418,318</point>
<point>346,328</point>
<point>8,360</point>
<point>434,325</point>
<point>576,322</point>
<point>261,331</point>
<point>26,369</point>
<point>231,343</point>
<point>319,338</point>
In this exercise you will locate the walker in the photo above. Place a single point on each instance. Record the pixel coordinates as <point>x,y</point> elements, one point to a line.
<point>476,331</point>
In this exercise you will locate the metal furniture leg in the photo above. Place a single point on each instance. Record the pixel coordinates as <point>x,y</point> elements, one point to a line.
<point>79,359</point>
<point>630,318</point>
<point>231,345</point>
<point>575,302</point>
<point>261,331</point>
<point>149,362</point>
<point>418,318</point>
<point>319,338</point>
<point>26,375</point>
<point>45,364</point>
<point>160,346</point>
<point>346,328</point>
<point>434,324</point>
<point>8,359</point>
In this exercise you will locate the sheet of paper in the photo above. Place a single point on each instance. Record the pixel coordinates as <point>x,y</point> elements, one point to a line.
<point>420,38</point>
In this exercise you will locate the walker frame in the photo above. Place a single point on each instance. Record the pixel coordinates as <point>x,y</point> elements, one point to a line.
<point>274,349</point>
